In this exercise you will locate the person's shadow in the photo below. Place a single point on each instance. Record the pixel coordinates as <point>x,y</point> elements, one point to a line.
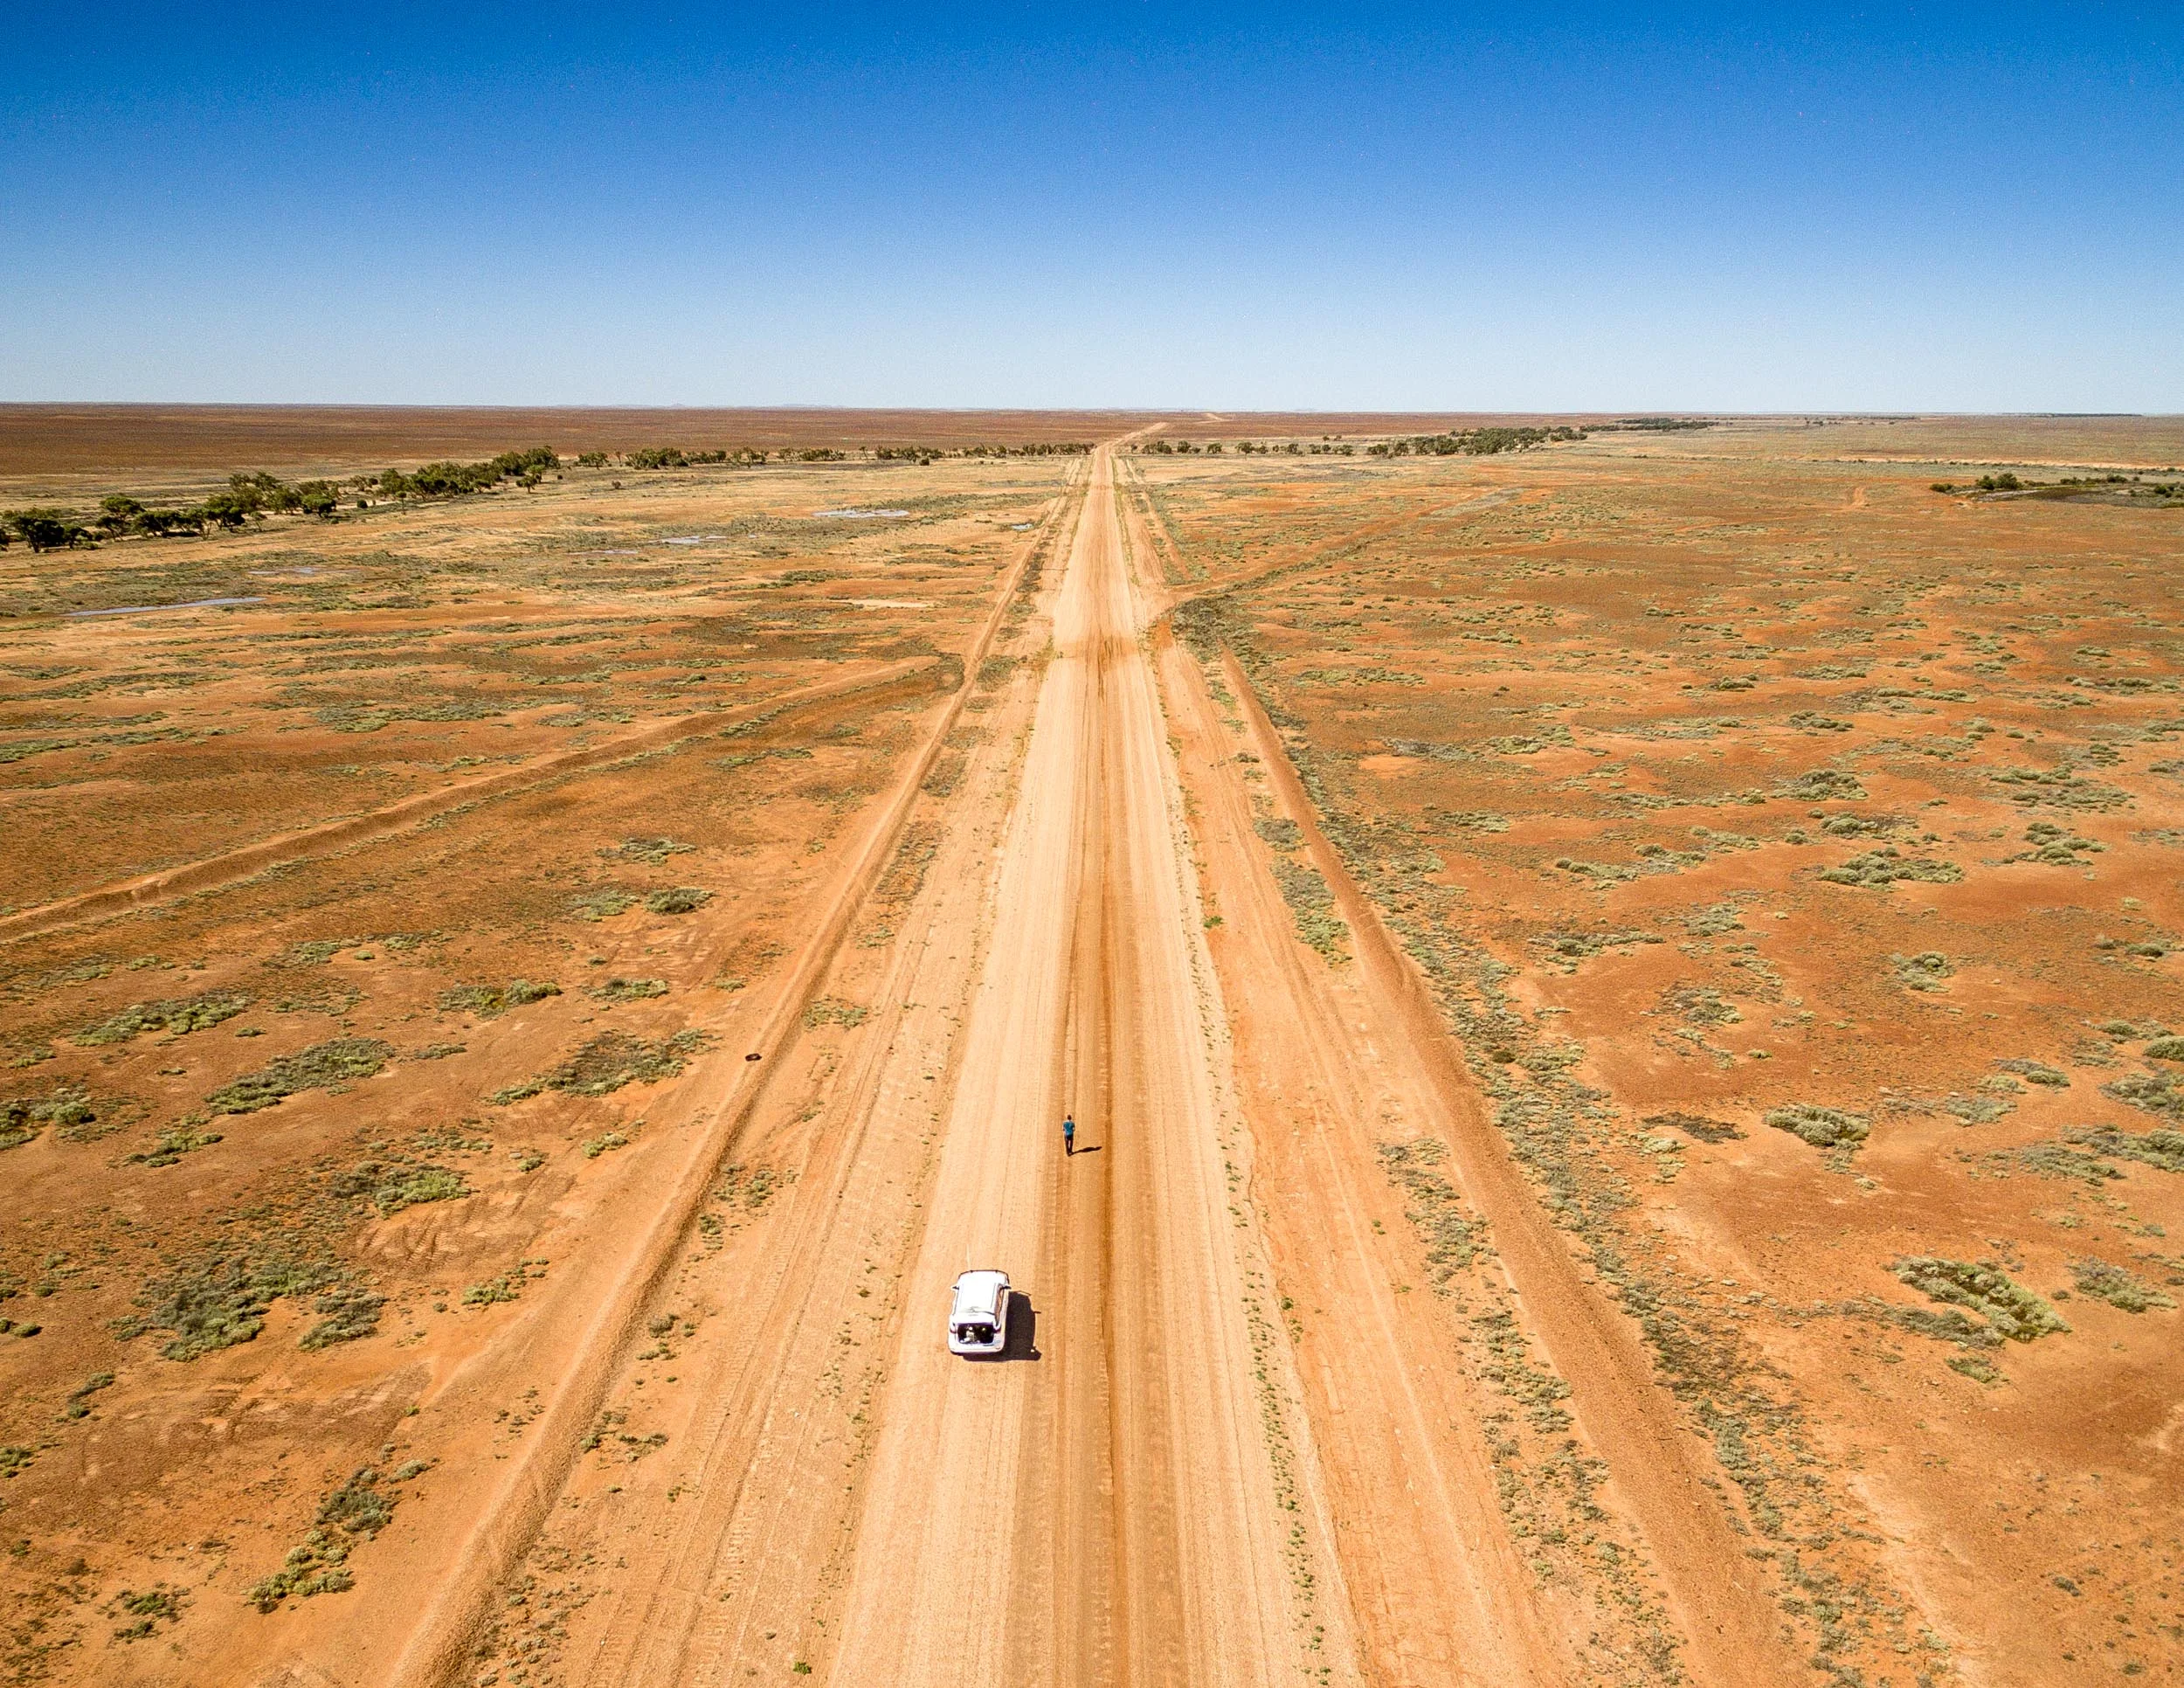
<point>1023,1342</point>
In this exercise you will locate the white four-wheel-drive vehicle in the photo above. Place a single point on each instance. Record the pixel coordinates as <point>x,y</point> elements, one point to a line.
<point>978,1314</point>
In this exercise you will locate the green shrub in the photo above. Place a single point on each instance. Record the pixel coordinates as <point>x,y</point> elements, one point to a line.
<point>2054,1160</point>
<point>2014,1313</point>
<point>160,1604</point>
<point>2164,1149</point>
<point>509,1286</point>
<point>653,851</point>
<point>1312,905</point>
<point>490,1001</point>
<point>607,1062</point>
<point>1695,1125</point>
<point>357,1512</point>
<point>1824,1128</point>
<point>2116,1286</point>
<point>217,1300</point>
<point>390,1187</point>
<point>602,904</point>
<point>1434,1209</point>
<point>1881,868</point>
<point>1924,971</point>
<point>345,1314</point>
<point>1822,785</point>
<point>2153,1093</point>
<point>630,990</point>
<point>78,1404</point>
<point>65,1106</point>
<point>177,1015</point>
<point>321,1067</point>
<point>181,1138</point>
<point>682,899</point>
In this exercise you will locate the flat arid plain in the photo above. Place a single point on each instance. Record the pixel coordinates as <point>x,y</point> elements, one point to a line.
<point>1619,980</point>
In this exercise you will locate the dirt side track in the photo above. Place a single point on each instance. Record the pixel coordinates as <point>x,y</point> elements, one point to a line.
<point>438,1642</point>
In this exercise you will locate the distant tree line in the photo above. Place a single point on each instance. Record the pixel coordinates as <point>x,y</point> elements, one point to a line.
<point>1474,442</point>
<point>1291,448</point>
<point>2069,486</point>
<point>679,457</point>
<point>252,496</point>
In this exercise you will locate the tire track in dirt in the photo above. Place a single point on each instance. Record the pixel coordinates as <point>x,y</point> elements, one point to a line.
<point>1439,1592</point>
<point>229,866</point>
<point>441,1637</point>
<point>1718,1594</point>
<point>748,1529</point>
<point>1107,1512</point>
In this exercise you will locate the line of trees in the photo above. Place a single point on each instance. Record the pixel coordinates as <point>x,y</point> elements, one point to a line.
<point>253,494</point>
<point>1473,442</point>
<point>526,468</point>
<point>1160,447</point>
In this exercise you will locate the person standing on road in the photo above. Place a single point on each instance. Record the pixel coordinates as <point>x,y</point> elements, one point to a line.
<point>1068,1134</point>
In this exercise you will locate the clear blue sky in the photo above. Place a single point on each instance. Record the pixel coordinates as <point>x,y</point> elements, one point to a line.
<point>1545,207</point>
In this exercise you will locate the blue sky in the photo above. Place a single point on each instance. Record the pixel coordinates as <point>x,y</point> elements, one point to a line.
<point>1556,207</point>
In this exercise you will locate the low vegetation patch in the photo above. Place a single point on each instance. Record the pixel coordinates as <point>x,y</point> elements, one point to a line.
<point>609,1061</point>
<point>602,904</point>
<point>1701,1005</point>
<point>391,1187</point>
<point>146,1611</point>
<point>218,1298</point>
<point>1927,971</point>
<point>678,900</point>
<point>2163,1149</point>
<point>629,989</point>
<point>489,1001</point>
<point>2116,1286</point>
<point>175,1015</point>
<point>322,1066</point>
<point>1435,1210</point>
<point>66,1107</point>
<point>319,1565</point>
<point>1878,869</point>
<point>1695,1125</point>
<point>1824,1128</point>
<point>651,851</point>
<point>833,1011</point>
<point>2036,1072</point>
<point>2012,1312</point>
<point>185,1136</point>
<point>1822,785</point>
<point>1312,905</point>
<point>2154,1093</point>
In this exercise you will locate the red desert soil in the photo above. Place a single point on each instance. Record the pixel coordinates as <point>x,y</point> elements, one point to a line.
<point>1621,1000</point>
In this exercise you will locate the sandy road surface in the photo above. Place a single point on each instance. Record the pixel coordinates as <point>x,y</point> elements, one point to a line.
<point>1105,1509</point>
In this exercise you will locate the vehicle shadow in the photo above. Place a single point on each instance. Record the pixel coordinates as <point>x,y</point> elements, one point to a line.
<point>1023,1342</point>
